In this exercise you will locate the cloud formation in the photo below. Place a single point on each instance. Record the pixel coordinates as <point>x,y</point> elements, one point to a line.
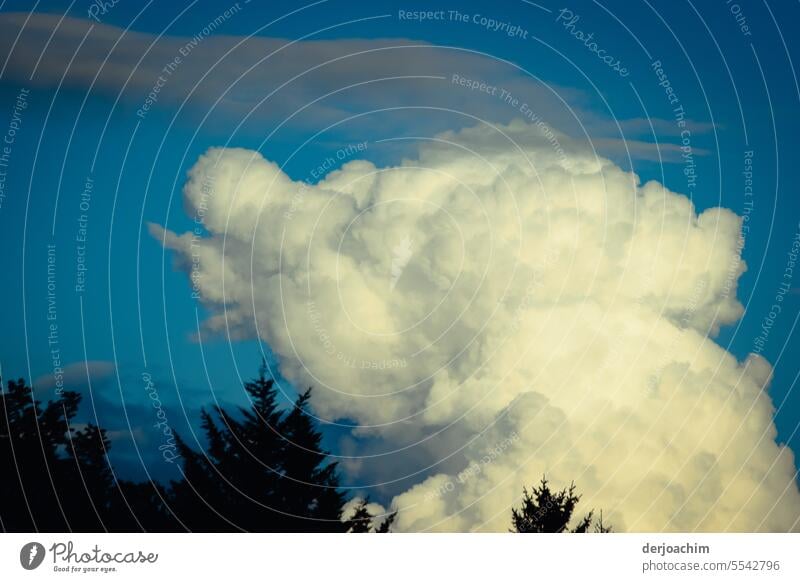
<point>507,304</point>
<point>407,84</point>
<point>74,376</point>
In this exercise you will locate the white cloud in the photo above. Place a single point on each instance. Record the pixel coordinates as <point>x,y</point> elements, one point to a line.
<point>554,314</point>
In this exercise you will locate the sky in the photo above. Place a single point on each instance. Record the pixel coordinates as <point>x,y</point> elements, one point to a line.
<point>116,116</point>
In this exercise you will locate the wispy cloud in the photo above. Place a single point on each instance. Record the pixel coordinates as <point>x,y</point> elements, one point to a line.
<point>406,84</point>
<point>74,376</point>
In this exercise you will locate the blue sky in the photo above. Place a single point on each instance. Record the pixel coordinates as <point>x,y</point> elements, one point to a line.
<point>136,308</point>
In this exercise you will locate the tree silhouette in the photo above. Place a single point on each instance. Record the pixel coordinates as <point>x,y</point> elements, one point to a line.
<point>29,439</point>
<point>310,484</point>
<point>264,470</point>
<point>600,527</point>
<point>546,511</point>
<point>386,524</point>
<point>58,477</point>
<point>362,520</point>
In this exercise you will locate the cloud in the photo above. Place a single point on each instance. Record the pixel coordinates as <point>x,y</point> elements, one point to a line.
<point>75,376</point>
<point>352,86</point>
<point>662,127</point>
<point>550,314</point>
<point>235,74</point>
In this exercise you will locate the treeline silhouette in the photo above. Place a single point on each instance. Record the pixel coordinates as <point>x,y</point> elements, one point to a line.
<point>264,470</point>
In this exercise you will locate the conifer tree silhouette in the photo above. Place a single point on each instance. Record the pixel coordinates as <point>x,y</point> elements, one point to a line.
<point>263,471</point>
<point>386,524</point>
<point>546,511</point>
<point>59,478</point>
<point>601,527</point>
<point>29,440</point>
<point>362,520</point>
<point>310,484</point>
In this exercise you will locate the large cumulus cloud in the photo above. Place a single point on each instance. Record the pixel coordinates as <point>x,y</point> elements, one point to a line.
<point>533,302</point>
